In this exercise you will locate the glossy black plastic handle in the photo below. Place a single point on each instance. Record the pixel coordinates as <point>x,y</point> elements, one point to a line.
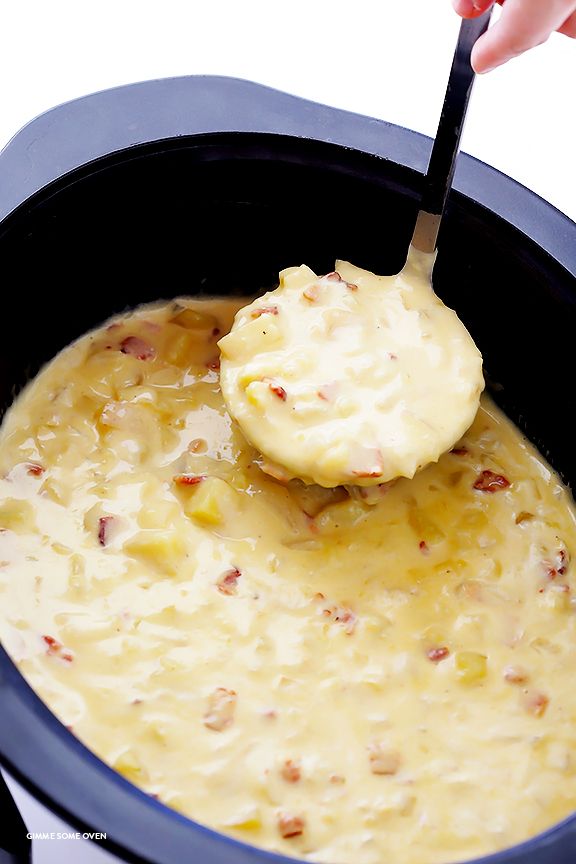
<point>445,150</point>
<point>15,848</point>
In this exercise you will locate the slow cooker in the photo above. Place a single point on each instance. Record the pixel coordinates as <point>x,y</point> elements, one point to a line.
<point>191,186</point>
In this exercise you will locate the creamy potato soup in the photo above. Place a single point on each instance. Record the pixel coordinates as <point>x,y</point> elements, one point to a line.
<point>346,675</point>
<point>351,378</point>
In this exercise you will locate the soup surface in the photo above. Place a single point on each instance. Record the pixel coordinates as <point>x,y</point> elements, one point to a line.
<point>343,675</point>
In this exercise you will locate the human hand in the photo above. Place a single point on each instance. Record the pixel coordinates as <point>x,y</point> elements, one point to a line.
<point>522,25</point>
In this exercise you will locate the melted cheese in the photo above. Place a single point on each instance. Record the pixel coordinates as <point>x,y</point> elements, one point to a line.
<point>351,377</point>
<point>342,676</point>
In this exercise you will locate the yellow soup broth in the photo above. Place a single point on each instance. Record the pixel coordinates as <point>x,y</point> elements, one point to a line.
<point>343,675</point>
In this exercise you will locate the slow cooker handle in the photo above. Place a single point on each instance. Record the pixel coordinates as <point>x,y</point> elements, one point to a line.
<point>15,847</point>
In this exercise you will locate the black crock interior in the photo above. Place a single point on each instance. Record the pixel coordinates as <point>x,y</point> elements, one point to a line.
<point>221,213</point>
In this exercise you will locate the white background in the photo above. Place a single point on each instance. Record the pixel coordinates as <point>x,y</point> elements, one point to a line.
<point>385,58</point>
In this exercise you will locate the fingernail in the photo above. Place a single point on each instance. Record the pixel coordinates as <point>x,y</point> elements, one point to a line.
<point>467,8</point>
<point>464,7</point>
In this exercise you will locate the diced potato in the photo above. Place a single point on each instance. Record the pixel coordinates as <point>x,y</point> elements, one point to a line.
<point>262,334</point>
<point>77,578</point>
<point>258,394</point>
<point>109,371</point>
<point>342,516</point>
<point>211,501</point>
<point>249,820</point>
<point>180,346</point>
<point>312,499</point>
<point>473,519</point>
<point>556,598</point>
<point>193,319</point>
<point>383,760</point>
<point>164,550</point>
<point>297,277</point>
<point>92,518</point>
<point>471,667</point>
<point>424,527</point>
<point>335,459</point>
<point>157,513</point>
<point>130,766</point>
<point>17,515</point>
<point>138,395</point>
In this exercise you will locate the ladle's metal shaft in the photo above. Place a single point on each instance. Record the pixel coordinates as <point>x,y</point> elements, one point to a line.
<point>442,163</point>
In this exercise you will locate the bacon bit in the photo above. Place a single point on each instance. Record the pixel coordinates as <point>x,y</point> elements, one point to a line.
<point>383,761</point>
<point>535,702</point>
<point>558,566</point>
<point>264,310</point>
<point>515,675</point>
<point>342,615</point>
<point>34,469</point>
<point>370,462</point>
<point>392,356</point>
<point>104,526</point>
<point>214,364</point>
<point>424,548</point>
<point>290,771</point>
<point>337,779</point>
<point>333,277</point>
<point>311,293</point>
<point>460,451</point>
<point>278,391</point>
<point>488,481</point>
<point>56,649</point>
<point>437,654</point>
<point>221,707</point>
<point>290,826</point>
<point>274,471</point>
<point>188,479</point>
<point>374,473</point>
<point>351,286</point>
<point>54,646</point>
<point>137,347</point>
<point>227,583</point>
<point>328,392</point>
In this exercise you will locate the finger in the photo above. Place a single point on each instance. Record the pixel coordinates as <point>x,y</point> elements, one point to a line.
<point>522,25</point>
<point>471,8</point>
<point>569,26</point>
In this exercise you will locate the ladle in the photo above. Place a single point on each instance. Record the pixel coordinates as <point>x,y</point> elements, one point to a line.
<point>440,173</point>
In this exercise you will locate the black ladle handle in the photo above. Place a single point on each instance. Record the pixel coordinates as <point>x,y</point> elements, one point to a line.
<point>442,163</point>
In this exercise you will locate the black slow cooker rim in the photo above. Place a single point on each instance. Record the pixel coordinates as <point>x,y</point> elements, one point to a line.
<point>33,743</point>
<point>100,124</point>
